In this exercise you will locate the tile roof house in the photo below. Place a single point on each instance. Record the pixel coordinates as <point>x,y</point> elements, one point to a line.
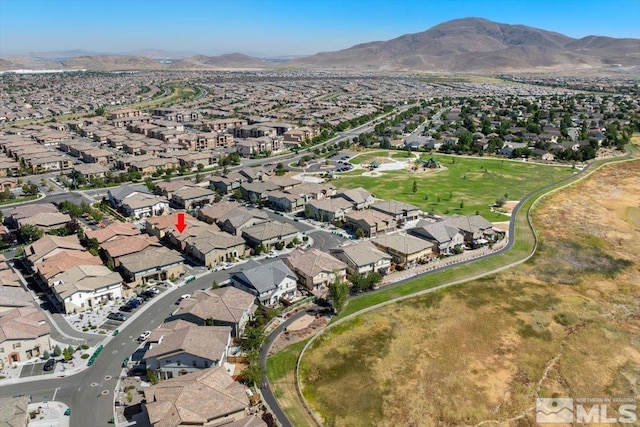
<point>24,334</point>
<point>62,261</point>
<point>48,246</point>
<point>14,411</point>
<point>316,270</point>
<point>215,247</point>
<point>192,197</point>
<point>401,212</point>
<point>17,213</point>
<point>12,297</point>
<point>226,306</point>
<point>359,197</point>
<point>370,222</point>
<point>46,220</point>
<point>474,228</point>
<point>444,237</point>
<point>85,287</point>
<point>269,233</point>
<point>159,226</point>
<point>328,210</point>
<point>157,263</point>
<point>112,231</point>
<point>405,250</point>
<point>204,398</point>
<point>269,282</point>
<point>126,245</point>
<point>180,347</point>
<point>210,214</point>
<point>237,219</point>
<point>363,257</point>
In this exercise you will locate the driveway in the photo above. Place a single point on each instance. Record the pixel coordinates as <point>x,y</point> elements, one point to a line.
<point>33,369</point>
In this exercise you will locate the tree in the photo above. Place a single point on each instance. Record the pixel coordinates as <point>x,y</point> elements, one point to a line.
<point>251,374</point>
<point>46,355</point>
<point>57,351</point>
<point>199,166</point>
<point>253,338</point>
<point>30,232</point>
<point>215,284</point>
<point>339,293</point>
<point>500,202</point>
<point>415,187</point>
<point>359,233</point>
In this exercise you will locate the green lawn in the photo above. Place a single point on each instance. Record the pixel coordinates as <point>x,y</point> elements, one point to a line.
<point>464,185</point>
<point>368,156</point>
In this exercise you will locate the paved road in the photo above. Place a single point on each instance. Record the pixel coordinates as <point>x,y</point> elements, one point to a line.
<point>90,392</point>
<point>267,394</point>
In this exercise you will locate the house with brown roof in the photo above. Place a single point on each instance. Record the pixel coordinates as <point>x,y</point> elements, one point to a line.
<point>363,257</point>
<point>126,245</point>
<point>14,411</point>
<point>327,210</point>
<point>370,222</point>
<point>359,197</point>
<point>180,347</point>
<point>204,398</point>
<point>215,247</point>
<point>85,287</point>
<point>237,219</point>
<point>316,270</point>
<point>62,261</point>
<point>268,234</point>
<point>192,197</point>
<point>159,226</point>
<point>12,297</point>
<point>18,213</point>
<point>226,306</point>
<point>405,250</point>
<point>24,334</point>
<point>46,221</point>
<point>195,228</point>
<point>157,263</point>
<point>401,212</point>
<point>112,231</point>
<point>210,214</point>
<point>48,246</point>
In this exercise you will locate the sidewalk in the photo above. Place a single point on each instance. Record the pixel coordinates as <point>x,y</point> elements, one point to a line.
<point>48,414</point>
<point>398,276</point>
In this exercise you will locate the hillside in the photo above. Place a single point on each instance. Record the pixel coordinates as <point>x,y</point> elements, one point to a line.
<point>230,60</point>
<point>480,45</point>
<point>112,63</point>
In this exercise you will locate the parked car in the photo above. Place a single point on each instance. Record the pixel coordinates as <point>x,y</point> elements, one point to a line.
<point>117,316</point>
<point>272,255</point>
<point>227,266</point>
<point>183,297</point>
<point>49,365</point>
<point>137,370</point>
<point>144,336</point>
<point>126,308</point>
<point>133,303</point>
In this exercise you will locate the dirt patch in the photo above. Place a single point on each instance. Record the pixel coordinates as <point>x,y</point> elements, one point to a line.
<point>300,330</point>
<point>566,324</point>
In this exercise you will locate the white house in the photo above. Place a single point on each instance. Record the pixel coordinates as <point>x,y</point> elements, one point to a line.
<point>268,282</point>
<point>86,286</point>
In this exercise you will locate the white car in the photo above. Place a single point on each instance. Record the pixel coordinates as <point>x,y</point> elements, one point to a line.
<point>227,266</point>
<point>272,255</point>
<point>144,336</point>
<point>185,296</point>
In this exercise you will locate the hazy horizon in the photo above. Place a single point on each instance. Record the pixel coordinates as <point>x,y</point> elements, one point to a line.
<point>278,28</point>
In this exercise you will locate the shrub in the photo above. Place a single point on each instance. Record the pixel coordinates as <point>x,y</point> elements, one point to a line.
<point>84,346</point>
<point>45,355</point>
<point>289,245</point>
<point>84,356</point>
<point>57,351</point>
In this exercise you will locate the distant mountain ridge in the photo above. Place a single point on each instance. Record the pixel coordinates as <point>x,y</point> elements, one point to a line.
<point>469,45</point>
<point>480,45</point>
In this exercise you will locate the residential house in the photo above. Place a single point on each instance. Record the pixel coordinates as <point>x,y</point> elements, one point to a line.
<point>269,282</point>
<point>15,214</point>
<point>445,238</point>
<point>161,225</point>
<point>227,184</point>
<point>370,222</point>
<point>12,297</point>
<point>316,270</point>
<point>144,205</point>
<point>213,248</point>
<point>24,334</point>
<point>49,267</point>
<point>359,197</point>
<point>211,214</point>
<point>14,411</point>
<point>209,397</point>
<point>267,234</point>
<point>85,287</point>
<point>363,257</point>
<point>257,191</point>
<point>114,249</point>
<point>237,219</point>
<point>179,347</point>
<point>476,229</point>
<point>48,246</point>
<point>327,210</point>
<point>158,263</point>
<point>46,220</point>
<point>401,212</point>
<point>192,197</point>
<point>227,306</point>
<point>112,231</point>
<point>405,250</point>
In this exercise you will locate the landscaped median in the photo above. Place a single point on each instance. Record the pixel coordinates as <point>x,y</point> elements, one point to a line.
<point>523,248</point>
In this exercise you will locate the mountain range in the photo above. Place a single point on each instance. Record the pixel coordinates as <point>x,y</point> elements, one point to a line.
<point>469,45</point>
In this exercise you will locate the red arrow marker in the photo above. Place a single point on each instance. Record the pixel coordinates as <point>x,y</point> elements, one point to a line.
<point>181,225</point>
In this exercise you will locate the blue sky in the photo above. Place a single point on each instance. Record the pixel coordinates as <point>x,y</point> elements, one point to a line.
<point>286,27</point>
